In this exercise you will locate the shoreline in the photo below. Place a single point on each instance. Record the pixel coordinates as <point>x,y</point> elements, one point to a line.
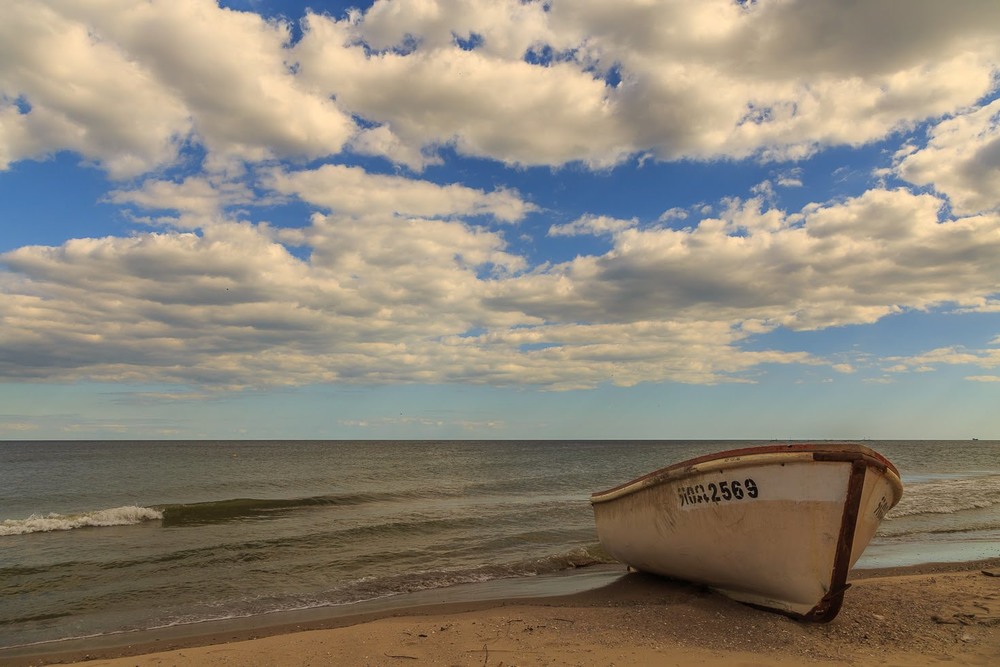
<point>601,614</point>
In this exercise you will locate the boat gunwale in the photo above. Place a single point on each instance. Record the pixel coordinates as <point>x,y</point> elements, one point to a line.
<point>746,456</point>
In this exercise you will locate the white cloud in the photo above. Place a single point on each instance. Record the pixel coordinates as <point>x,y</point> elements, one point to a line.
<point>948,356</point>
<point>675,213</point>
<point>388,297</point>
<point>229,69</point>
<point>400,279</point>
<point>765,190</point>
<point>716,79</point>
<point>80,92</point>
<point>482,103</point>
<point>353,191</point>
<point>701,80</point>
<point>125,84</point>
<point>194,195</point>
<point>842,263</point>
<point>507,28</point>
<point>380,141</point>
<point>790,178</point>
<point>577,356</point>
<point>381,299</point>
<point>961,160</point>
<point>597,225</point>
<point>230,307</point>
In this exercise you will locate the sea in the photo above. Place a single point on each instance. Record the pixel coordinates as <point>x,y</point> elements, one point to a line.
<point>101,538</point>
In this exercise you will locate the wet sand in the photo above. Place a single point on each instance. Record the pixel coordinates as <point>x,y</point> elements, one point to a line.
<point>939,614</point>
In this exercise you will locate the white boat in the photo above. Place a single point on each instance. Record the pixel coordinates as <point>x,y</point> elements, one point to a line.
<point>777,526</point>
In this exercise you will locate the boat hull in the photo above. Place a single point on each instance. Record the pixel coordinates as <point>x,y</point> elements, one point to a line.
<point>777,527</point>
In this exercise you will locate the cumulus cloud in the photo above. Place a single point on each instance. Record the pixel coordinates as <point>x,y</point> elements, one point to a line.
<point>380,141</point>
<point>700,80</point>
<point>828,265</point>
<point>790,178</point>
<point>961,160</point>
<point>506,28</point>
<point>592,224</point>
<point>385,297</point>
<point>202,110</point>
<point>780,78</point>
<point>64,88</point>
<point>127,84</point>
<point>229,70</point>
<point>482,103</point>
<point>193,195</point>
<point>354,191</point>
<point>675,213</point>
<point>229,306</point>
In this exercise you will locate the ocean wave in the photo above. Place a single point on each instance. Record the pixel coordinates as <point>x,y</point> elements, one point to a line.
<point>117,516</point>
<point>948,496</point>
<point>216,511</point>
<point>370,588</point>
<point>985,529</point>
<point>366,589</point>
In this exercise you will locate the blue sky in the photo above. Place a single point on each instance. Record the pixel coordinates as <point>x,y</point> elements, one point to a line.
<point>499,219</point>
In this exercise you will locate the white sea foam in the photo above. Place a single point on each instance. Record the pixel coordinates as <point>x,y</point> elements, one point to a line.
<point>948,496</point>
<point>117,516</point>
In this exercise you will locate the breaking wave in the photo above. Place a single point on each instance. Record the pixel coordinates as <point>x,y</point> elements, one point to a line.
<point>948,496</point>
<point>247,508</point>
<point>194,514</point>
<point>117,516</point>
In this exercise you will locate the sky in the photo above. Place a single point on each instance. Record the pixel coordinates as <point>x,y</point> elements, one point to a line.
<point>499,219</point>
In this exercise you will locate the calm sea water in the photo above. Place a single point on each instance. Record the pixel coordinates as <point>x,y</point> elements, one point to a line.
<point>102,537</point>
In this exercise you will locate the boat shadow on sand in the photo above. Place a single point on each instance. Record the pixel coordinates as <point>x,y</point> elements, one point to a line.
<point>683,598</point>
<point>641,588</point>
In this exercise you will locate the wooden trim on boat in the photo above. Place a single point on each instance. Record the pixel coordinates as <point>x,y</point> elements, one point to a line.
<point>750,456</point>
<point>828,581</point>
<point>829,606</point>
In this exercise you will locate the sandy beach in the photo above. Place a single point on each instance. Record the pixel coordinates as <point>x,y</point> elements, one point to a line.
<point>937,614</point>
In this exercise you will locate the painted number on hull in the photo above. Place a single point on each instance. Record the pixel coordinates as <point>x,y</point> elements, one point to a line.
<point>718,493</point>
<point>882,509</point>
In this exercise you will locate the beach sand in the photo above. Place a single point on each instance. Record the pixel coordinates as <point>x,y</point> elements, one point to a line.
<point>942,614</point>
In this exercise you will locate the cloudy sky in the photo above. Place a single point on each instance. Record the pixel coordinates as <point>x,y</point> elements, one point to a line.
<point>499,219</point>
